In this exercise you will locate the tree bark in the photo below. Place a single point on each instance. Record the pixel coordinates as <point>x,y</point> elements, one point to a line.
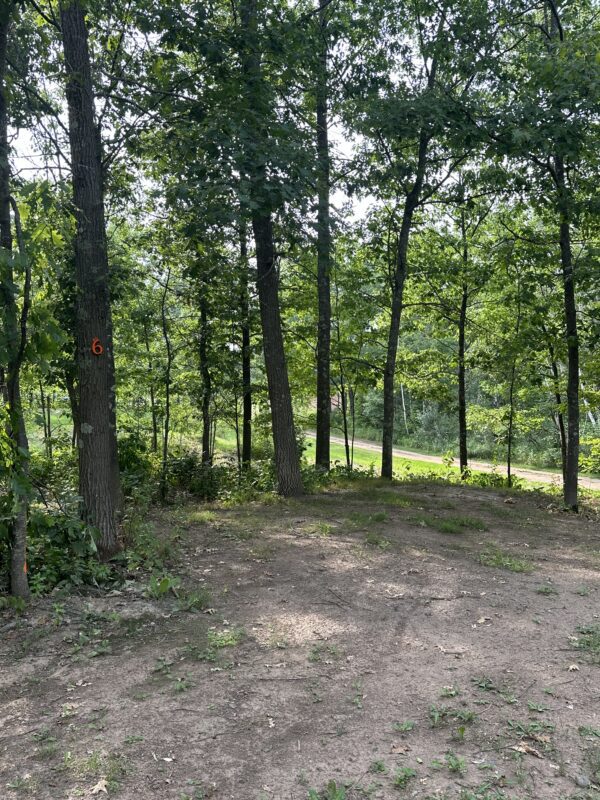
<point>99,483</point>
<point>570,312</point>
<point>152,394</point>
<point>74,404</point>
<point>169,364</point>
<point>206,378</point>
<point>246,354</point>
<point>287,460</point>
<point>323,421</point>
<point>15,340</point>
<point>463,455</point>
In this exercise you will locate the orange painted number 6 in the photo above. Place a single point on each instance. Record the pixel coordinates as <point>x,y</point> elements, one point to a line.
<point>97,348</point>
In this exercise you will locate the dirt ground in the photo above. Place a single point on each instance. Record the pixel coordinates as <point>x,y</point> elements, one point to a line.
<point>373,641</point>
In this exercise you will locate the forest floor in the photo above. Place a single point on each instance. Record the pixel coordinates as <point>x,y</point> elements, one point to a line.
<point>420,640</point>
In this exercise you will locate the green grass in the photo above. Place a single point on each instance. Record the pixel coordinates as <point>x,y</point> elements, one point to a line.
<point>493,556</point>
<point>588,640</point>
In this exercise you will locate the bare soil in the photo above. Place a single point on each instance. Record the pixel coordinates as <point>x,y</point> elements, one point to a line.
<point>337,620</point>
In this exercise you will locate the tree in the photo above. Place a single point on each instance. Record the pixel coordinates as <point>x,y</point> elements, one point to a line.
<point>99,482</point>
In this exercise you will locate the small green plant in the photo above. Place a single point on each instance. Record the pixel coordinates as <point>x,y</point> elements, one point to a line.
<point>530,728</point>
<point>331,792</point>
<point>161,585</point>
<point>455,763</point>
<point>583,591</point>
<point>193,601</point>
<point>230,637</point>
<point>493,556</point>
<point>360,520</point>
<point>375,540</point>
<point>485,683</point>
<point>404,727</point>
<point>449,691</point>
<point>539,707</point>
<point>322,652</point>
<point>133,738</point>
<point>588,640</point>
<point>402,776</point>
<point>440,714</point>
<point>547,591</point>
<point>377,767</point>
<point>585,730</point>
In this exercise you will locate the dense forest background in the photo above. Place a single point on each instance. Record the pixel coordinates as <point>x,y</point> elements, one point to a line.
<point>226,224</point>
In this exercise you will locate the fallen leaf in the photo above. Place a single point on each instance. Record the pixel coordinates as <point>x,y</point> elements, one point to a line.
<point>399,748</point>
<point>528,749</point>
<point>573,668</point>
<point>481,620</point>
<point>101,786</point>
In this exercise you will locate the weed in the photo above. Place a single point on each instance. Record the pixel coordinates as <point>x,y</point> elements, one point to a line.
<point>539,707</point>
<point>585,730</point>
<point>133,738</point>
<point>455,763</point>
<point>201,517</point>
<point>181,684</point>
<point>322,652</point>
<point>375,540</point>
<point>404,727</point>
<point>227,638</point>
<point>454,524</point>
<point>402,776</point>
<point>583,591</point>
<point>262,552</point>
<point>358,697</point>
<point>193,601</point>
<point>331,792</point>
<point>24,784</point>
<point>531,729</point>
<point>160,586</point>
<point>440,714</point>
<point>483,682</point>
<point>449,691</point>
<point>318,528</point>
<point>493,556</point>
<point>365,520</point>
<point>548,591</point>
<point>377,767</point>
<point>588,640</point>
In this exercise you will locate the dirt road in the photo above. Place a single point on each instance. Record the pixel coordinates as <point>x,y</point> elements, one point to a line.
<point>481,466</point>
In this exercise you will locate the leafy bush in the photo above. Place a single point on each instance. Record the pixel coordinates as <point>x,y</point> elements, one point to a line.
<point>62,552</point>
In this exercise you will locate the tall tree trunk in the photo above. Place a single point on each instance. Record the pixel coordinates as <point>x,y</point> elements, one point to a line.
<point>398,280</point>
<point>153,412</point>
<point>462,389</point>
<point>322,450</point>
<point>559,175</point>
<point>389,373</point>
<point>206,378</point>
<point>570,312</point>
<point>43,410</point>
<point>558,416</point>
<point>99,484</point>
<point>246,354</point>
<point>49,426</point>
<point>74,404</point>
<point>168,367</point>
<point>15,331</point>
<point>287,460</point>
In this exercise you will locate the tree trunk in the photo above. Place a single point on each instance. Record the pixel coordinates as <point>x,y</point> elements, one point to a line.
<point>322,450</point>
<point>74,404</point>
<point>399,278</point>
<point>570,311</point>
<point>462,390</point>
<point>206,378</point>
<point>15,340</point>
<point>152,395</point>
<point>246,354</point>
<point>169,364</point>
<point>99,484</point>
<point>287,461</point>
